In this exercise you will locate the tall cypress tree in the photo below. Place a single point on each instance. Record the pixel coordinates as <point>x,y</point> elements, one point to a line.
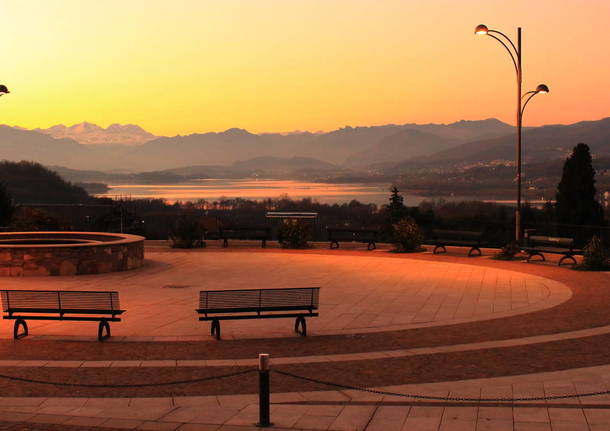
<point>576,201</point>
<point>6,206</point>
<point>396,208</point>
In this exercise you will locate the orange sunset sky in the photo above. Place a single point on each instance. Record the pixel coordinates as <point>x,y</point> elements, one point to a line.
<point>180,66</point>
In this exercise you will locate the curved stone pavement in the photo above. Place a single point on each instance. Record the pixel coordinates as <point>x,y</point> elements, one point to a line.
<point>359,294</point>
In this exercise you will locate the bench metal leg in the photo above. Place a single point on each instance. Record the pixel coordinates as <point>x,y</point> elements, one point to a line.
<point>18,323</point>
<point>542,259</point>
<point>100,330</point>
<point>215,330</point>
<point>334,245</point>
<point>567,256</point>
<point>225,243</point>
<point>372,245</point>
<point>477,249</point>
<point>437,247</point>
<point>300,321</point>
<point>264,244</point>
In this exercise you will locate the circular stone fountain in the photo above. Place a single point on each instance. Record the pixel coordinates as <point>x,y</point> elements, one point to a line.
<point>68,253</point>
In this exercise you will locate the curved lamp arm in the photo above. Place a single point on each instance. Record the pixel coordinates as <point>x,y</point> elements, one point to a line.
<point>540,89</point>
<point>531,94</point>
<point>507,38</point>
<point>512,57</point>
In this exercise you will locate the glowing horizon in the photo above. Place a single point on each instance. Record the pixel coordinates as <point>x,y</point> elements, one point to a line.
<point>266,66</point>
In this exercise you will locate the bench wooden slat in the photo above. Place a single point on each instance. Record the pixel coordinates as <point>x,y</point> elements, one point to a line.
<point>71,318</point>
<point>62,311</point>
<point>267,316</point>
<point>254,309</point>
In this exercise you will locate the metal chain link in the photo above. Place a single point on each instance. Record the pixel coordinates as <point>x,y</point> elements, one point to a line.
<point>438,398</point>
<point>136,385</point>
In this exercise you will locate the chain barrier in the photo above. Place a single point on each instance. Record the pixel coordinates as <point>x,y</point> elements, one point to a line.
<point>311,380</point>
<point>136,385</point>
<point>438,398</point>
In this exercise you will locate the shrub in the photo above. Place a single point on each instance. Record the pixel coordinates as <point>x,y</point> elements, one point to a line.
<point>407,235</point>
<point>27,219</point>
<point>187,232</point>
<point>509,251</point>
<point>294,233</point>
<point>595,255</point>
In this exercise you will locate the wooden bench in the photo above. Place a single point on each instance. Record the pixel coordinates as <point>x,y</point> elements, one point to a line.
<point>536,245</point>
<point>259,233</point>
<point>22,305</point>
<point>461,238</point>
<point>217,305</point>
<point>352,235</point>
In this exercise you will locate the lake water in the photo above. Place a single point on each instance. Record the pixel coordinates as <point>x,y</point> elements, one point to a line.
<point>213,189</point>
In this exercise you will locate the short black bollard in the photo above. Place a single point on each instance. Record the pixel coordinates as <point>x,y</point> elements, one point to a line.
<point>263,391</point>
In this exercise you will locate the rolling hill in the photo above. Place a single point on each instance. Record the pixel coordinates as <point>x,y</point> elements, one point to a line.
<point>539,144</point>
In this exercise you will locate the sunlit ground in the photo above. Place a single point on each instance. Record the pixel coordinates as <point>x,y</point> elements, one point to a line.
<point>358,293</point>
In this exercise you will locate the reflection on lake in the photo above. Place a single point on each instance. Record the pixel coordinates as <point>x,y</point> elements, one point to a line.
<point>213,189</point>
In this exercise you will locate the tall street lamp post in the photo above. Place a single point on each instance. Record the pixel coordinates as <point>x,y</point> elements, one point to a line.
<point>516,55</point>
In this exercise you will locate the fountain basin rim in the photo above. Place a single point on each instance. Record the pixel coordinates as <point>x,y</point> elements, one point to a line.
<point>82,239</point>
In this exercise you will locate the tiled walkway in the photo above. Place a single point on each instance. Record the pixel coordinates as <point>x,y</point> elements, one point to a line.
<point>350,410</point>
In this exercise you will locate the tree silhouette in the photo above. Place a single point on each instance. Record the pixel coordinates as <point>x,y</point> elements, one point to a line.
<point>396,208</point>
<point>6,206</point>
<point>576,201</point>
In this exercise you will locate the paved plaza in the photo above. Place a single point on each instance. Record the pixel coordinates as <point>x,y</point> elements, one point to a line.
<point>358,294</point>
<point>437,326</point>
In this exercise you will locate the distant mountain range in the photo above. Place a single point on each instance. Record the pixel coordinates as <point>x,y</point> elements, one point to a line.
<point>350,151</point>
<point>87,146</point>
<point>92,134</point>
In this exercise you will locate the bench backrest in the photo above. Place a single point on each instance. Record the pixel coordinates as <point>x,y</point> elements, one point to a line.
<point>550,241</point>
<point>351,234</point>
<point>226,301</point>
<point>59,301</point>
<point>254,232</point>
<point>457,234</point>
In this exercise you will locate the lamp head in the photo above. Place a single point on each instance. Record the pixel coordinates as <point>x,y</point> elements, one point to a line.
<point>3,90</point>
<point>542,89</point>
<point>481,29</point>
